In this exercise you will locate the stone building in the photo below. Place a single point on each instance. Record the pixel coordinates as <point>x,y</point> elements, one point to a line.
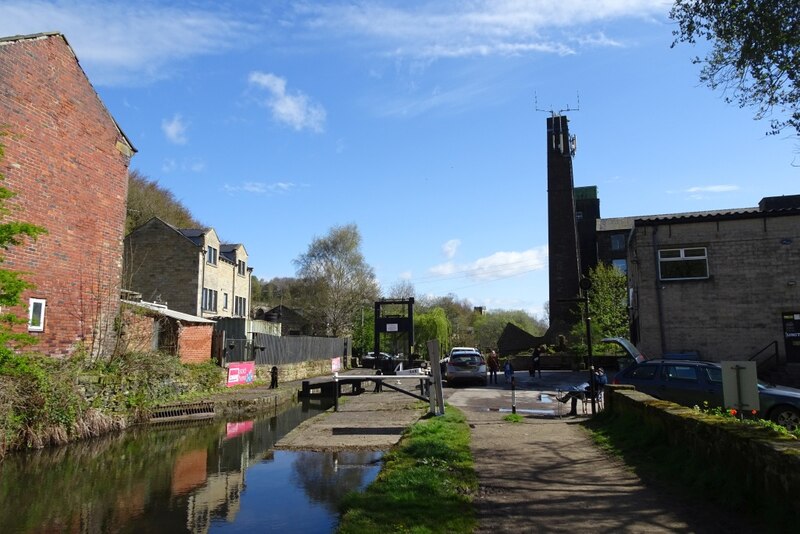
<point>189,270</point>
<point>720,284</point>
<point>66,160</point>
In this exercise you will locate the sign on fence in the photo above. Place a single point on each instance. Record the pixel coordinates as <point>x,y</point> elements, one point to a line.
<point>336,364</point>
<point>241,373</point>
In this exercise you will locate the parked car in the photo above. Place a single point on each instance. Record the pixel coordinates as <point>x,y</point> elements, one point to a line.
<point>454,350</point>
<point>466,366</point>
<point>696,382</point>
<point>370,361</point>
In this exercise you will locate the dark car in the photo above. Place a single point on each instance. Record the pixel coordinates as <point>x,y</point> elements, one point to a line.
<point>697,382</point>
<point>370,361</point>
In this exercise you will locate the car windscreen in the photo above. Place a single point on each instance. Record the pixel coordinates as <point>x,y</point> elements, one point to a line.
<point>466,359</point>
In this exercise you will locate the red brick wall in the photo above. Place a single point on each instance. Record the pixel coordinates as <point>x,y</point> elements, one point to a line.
<point>194,343</point>
<point>62,160</point>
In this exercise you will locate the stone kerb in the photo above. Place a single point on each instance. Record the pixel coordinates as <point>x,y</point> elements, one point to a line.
<point>767,464</point>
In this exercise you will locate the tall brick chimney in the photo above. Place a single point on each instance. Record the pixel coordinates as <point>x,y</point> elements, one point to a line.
<point>564,255</point>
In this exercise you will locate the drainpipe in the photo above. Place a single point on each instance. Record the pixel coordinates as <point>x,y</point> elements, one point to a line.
<point>659,300</point>
<point>202,277</point>
<point>233,288</point>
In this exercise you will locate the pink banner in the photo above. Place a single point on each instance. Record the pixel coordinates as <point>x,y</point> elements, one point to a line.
<point>336,364</point>
<point>241,373</point>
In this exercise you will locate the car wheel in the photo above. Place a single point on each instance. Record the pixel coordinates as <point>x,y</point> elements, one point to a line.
<point>786,416</point>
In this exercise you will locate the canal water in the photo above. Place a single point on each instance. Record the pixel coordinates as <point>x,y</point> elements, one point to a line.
<point>206,477</point>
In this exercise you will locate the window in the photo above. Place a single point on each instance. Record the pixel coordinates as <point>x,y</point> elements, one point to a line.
<point>618,242</point>
<point>36,309</point>
<point>646,372</point>
<point>224,301</point>
<point>209,300</point>
<point>713,374</point>
<point>211,255</point>
<point>680,372</point>
<point>622,265</point>
<point>683,263</point>
<point>239,306</point>
<point>240,267</point>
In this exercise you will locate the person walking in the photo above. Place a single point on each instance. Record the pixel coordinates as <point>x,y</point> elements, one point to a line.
<point>508,370</point>
<point>536,364</point>
<point>494,365</point>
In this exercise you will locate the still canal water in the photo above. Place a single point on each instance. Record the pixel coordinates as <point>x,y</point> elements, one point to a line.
<point>212,477</point>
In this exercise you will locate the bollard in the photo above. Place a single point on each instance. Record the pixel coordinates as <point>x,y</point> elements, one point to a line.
<point>335,392</point>
<point>513,395</point>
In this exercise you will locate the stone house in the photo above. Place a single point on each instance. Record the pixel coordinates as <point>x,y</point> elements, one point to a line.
<point>66,159</point>
<point>189,270</point>
<point>721,284</point>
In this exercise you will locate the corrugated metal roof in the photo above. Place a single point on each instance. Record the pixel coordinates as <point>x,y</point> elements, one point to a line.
<point>163,310</point>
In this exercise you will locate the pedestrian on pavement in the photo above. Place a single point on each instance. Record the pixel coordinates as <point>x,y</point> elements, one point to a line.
<point>508,370</point>
<point>273,377</point>
<point>494,365</point>
<point>378,383</point>
<point>536,364</point>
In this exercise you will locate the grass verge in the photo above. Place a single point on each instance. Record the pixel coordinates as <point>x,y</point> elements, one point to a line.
<point>681,474</point>
<point>425,486</point>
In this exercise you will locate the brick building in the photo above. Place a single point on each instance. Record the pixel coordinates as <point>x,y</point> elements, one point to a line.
<point>189,270</point>
<point>723,284</point>
<point>67,161</point>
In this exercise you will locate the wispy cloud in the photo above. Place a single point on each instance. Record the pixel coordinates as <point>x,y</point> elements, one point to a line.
<point>712,189</point>
<point>496,266</point>
<point>174,129</point>
<point>296,110</point>
<point>122,43</point>
<point>450,248</point>
<point>170,165</point>
<point>261,188</point>
<point>460,28</point>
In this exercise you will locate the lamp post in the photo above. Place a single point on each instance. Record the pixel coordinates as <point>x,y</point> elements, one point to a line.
<point>586,285</point>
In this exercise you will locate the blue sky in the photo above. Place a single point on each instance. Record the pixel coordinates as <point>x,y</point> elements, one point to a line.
<point>422,122</point>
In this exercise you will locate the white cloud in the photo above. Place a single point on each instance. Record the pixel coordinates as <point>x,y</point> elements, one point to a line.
<point>496,266</point>
<point>174,129</point>
<point>261,188</point>
<point>121,43</point>
<point>192,165</point>
<point>713,189</point>
<point>450,248</point>
<point>296,110</point>
<point>459,28</point>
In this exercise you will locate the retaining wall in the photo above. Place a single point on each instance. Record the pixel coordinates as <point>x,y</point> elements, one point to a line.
<point>768,464</point>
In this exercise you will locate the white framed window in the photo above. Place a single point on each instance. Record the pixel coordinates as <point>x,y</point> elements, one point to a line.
<point>683,263</point>
<point>36,314</point>
<point>211,255</point>
<point>224,301</point>
<point>209,300</point>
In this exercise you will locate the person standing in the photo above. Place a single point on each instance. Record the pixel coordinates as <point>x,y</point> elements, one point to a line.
<point>536,364</point>
<point>494,365</point>
<point>508,370</point>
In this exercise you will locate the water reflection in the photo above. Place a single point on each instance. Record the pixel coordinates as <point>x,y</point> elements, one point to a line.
<point>212,477</point>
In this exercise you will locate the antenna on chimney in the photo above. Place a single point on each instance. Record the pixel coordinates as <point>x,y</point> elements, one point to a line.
<point>552,111</point>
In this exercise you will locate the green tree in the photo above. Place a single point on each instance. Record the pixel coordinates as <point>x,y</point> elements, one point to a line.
<point>608,308</point>
<point>147,199</point>
<point>12,233</point>
<point>342,281</point>
<point>754,55</point>
<point>429,325</point>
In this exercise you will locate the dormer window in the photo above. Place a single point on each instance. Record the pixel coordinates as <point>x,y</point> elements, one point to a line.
<point>211,255</point>
<point>241,267</point>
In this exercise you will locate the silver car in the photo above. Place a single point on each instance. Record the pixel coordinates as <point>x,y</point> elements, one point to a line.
<point>466,366</point>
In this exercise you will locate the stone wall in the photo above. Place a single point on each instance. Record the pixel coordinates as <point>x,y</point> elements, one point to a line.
<point>296,371</point>
<point>770,467</point>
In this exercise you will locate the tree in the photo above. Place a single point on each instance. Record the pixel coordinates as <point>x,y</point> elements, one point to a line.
<point>342,281</point>
<point>146,199</point>
<point>12,233</point>
<point>432,324</point>
<point>608,307</point>
<point>754,52</point>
